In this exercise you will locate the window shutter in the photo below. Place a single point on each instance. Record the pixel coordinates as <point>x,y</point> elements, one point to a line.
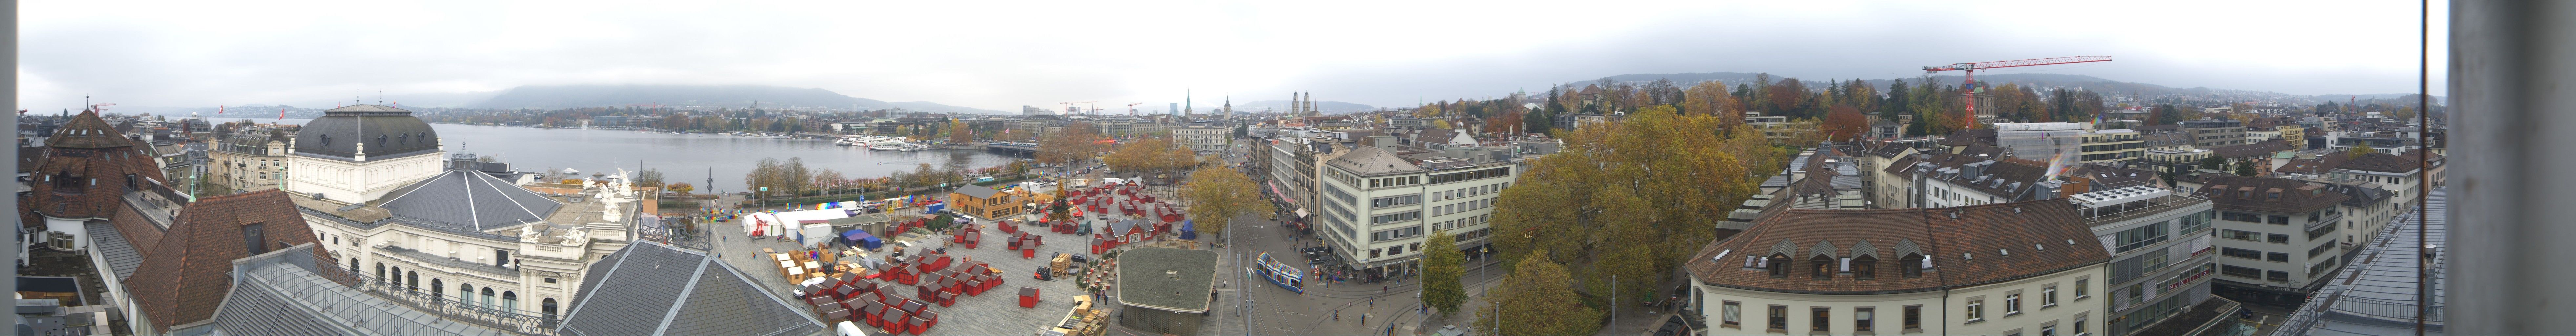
<point>1864,315</point>
<point>1734,313</point>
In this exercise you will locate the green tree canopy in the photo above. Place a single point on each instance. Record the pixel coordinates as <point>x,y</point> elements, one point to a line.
<point>1442,267</point>
<point>1536,300</point>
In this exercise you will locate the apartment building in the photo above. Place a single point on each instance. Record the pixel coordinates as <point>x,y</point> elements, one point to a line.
<point>250,160</point>
<point>2214,132</point>
<point>2160,251</point>
<point>1378,207</point>
<point>2276,237</point>
<point>2025,268</point>
<point>2108,146</point>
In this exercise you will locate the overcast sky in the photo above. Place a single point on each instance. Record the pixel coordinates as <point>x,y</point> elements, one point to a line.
<point>999,55</point>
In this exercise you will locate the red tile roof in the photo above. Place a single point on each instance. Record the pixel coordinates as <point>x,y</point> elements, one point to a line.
<point>1967,250</point>
<point>186,276</point>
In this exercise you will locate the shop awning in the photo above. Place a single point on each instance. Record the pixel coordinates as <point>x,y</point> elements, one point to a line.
<point>1274,190</point>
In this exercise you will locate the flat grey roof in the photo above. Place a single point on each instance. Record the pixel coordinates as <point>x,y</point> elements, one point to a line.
<point>1167,278</point>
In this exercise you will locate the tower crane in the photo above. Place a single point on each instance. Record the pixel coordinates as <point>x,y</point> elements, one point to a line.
<point>1131,109</point>
<point>1970,84</point>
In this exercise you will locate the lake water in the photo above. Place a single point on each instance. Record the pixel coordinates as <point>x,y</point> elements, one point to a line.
<point>680,157</point>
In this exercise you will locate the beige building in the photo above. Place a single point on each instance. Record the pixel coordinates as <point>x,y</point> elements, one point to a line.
<point>1940,271</point>
<point>2109,146</point>
<point>251,159</point>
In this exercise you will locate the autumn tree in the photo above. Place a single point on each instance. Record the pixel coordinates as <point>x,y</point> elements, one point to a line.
<point>1215,195</point>
<point>1632,198</point>
<point>683,188</point>
<point>1844,123</point>
<point>1536,301</point>
<point>1076,143</point>
<point>958,133</point>
<point>2359,151</point>
<point>2213,162</point>
<point>1442,267</point>
<point>2245,167</point>
<point>648,178</point>
<point>831,181</point>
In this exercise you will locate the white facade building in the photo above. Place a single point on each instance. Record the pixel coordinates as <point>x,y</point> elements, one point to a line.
<point>1378,208</point>
<point>1946,271</point>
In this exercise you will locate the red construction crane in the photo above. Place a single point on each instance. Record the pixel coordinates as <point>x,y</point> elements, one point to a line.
<point>1970,84</point>
<point>1131,109</point>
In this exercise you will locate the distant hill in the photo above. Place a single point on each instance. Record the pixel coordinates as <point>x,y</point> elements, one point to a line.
<point>2044,80</point>
<point>565,96</point>
<point>1328,107</point>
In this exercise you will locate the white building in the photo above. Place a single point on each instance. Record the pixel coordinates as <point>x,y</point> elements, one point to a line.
<point>2160,252</point>
<point>2025,268</point>
<point>372,184</point>
<point>358,153</point>
<point>1378,207</point>
<point>1204,138</point>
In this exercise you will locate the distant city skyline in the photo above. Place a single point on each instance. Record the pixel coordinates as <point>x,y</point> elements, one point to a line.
<point>997,57</point>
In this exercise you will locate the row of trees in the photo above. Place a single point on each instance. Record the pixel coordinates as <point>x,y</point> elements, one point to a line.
<point>1077,143</point>
<point>1630,199</point>
<point>1156,155</point>
<point>791,177</point>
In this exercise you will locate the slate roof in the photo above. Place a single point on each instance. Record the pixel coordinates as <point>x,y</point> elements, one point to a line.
<point>278,294</point>
<point>468,200</point>
<point>2008,178</point>
<point>977,191</point>
<point>86,130</point>
<point>2376,293</point>
<point>106,241</point>
<point>654,289</point>
<point>1967,250</point>
<point>1986,152</point>
<point>387,131</point>
<point>1170,279</point>
<point>188,265</point>
<point>2247,193</point>
<point>1373,161</point>
<point>2384,162</point>
<point>1889,150</point>
<point>2322,164</point>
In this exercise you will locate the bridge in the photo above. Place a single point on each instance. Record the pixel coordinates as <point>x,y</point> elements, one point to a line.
<point>1018,146</point>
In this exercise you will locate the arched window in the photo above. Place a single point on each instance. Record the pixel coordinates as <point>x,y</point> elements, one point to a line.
<point>1778,264</point>
<point>1864,267</point>
<point>510,301</point>
<point>1823,265</point>
<point>353,265</point>
<point>380,272</point>
<point>550,308</point>
<point>1912,264</point>
<point>487,296</point>
<point>411,280</point>
<point>437,290</point>
<point>465,294</point>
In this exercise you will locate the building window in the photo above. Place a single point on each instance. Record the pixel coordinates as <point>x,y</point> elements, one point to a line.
<point>2241,253</point>
<point>2083,288</point>
<point>2048,297</point>
<point>1914,318</point>
<point>1911,265</point>
<point>2277,275</point>
<point>1778,264</point>
<point>550,308</point>
<point>1863,319</point>
<point>1976,310</point>
<point>1864,268</point>
<point>2048,330</point>
<point>1823,321</point>
<point>2240,271</point>
<point>2277,238</point>
<point>1779,318</point>
<point>509,301</point>
<point>2277,256</point>
<point>550,280</point>
<point>2079,324</point>
<point>1824,267</point>
<point>255,240</point>
<point>2012,304</point>
<point>1732,316</point>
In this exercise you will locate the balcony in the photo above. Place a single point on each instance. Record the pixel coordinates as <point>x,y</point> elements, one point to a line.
<point>513,320</point>
<point>433,259</point>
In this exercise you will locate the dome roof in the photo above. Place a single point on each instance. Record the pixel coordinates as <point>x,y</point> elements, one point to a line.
<point>385,132</point>
<point>88,131</point>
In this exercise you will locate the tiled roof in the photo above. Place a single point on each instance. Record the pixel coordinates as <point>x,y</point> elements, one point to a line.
<point>1373,161</point>
<point>2247,193</point>
<point>277,294</point>
<point>2008,178</point>
<point>654,289</point>
<point>1889,150</point>
<point>86,130</point>
<point>2384,162</point>
<point>468,200</point>
<point>27,157</point>
<point>2320,165</point>
<point>1986,152</point>
<point>1967,250</point>
<point>188,280</point>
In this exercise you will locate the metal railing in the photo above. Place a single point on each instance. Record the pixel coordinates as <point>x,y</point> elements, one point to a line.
<point>502,318</point>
